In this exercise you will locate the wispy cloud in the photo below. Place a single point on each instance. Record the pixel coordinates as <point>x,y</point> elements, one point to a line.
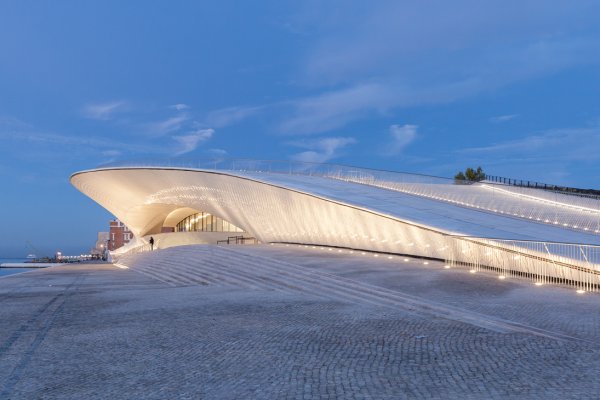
<point>112,153</point>
<point>164,127</point>
<point>547,156</point>
<point>334,109</point>
<point>190,141</point>
<point>82,144</point>
<point>503,118</point>
<point>379,40</point>
<point>178,133</point>
<point>179,107</point>
<point>103,111</point>
<point>321,150</point>
<point>217,152</point>
<point>231,115</point>
<point>366,62</point>
<point>9,123</point>
<point>401,136</point>
<point>567,144</point>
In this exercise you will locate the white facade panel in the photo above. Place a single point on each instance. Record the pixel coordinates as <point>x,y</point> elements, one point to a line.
<point>280,208</point>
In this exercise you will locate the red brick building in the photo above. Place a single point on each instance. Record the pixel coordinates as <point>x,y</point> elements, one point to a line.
<point>118,235</point>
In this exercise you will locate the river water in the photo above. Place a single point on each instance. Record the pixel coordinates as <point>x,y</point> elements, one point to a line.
<point>10,271</point>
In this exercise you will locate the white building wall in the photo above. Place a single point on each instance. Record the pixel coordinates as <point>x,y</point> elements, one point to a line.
<point>143,198</point>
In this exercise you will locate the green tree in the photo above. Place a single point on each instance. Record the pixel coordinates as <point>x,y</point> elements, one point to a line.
<point>471,175</point>
<point>460,177</point>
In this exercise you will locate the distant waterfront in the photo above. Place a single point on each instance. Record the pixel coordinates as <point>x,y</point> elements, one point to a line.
<point>12,260</point>
<point>11,271</point>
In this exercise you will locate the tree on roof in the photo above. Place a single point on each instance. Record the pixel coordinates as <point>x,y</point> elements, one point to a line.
<point>470,175</point>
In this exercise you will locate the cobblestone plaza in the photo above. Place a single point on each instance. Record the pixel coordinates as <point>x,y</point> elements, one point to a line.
<point>277,322</point>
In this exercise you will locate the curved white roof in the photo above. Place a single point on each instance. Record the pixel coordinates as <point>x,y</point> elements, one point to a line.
<point>433,219</point>
<point>143,197</point>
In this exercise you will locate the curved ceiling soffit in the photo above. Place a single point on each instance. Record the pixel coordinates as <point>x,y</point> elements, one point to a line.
<point>142,219</point>
<point>178,215</point>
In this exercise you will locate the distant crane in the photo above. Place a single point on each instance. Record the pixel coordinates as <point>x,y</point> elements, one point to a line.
<point>33,249</point>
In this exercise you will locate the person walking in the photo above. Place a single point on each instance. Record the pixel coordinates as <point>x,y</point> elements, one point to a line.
<point>151,243</point>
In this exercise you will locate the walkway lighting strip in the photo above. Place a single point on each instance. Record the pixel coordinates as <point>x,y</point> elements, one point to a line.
<point>520,214</point>
<point>473,269</point>
<point>557,203</point>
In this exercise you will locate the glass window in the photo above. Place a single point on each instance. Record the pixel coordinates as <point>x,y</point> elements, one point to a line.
<point>203,222</point>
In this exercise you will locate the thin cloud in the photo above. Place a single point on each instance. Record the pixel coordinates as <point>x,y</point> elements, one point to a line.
<point>401,136</point>
<point>574,143</point>
<point>189,142</point>
<point>321,150</point>
<point>13,124</point>
<point>217,152</point>
<point>231,115</point>
<point>503,118</point>
<point>389,38</point>
<point>547,156</point>
<point>371,58</point>
<point>103,111</point>
<point>111,153</point>
<point>179,107</point>
<point>334,109</point>
<point>169,125</point>
<point>83,141</point>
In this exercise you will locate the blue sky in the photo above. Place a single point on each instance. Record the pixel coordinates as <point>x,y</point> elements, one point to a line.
<point>421,86</point>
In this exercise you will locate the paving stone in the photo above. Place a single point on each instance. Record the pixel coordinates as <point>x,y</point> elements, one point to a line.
<point>97,331</point>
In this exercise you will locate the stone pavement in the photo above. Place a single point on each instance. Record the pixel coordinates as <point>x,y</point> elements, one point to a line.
<point>276,322</point>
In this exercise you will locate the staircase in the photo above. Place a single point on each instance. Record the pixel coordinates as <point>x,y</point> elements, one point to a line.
<point>227,267</point>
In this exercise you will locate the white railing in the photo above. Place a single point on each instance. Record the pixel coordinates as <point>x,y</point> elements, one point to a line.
<point>569,264</point>
<point>576,265</point>
<point>116,255</point>
<point>537,205</point>
<point>576,213</point>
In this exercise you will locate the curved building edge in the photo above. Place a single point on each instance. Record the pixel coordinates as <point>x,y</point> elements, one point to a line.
<point>144,198</point>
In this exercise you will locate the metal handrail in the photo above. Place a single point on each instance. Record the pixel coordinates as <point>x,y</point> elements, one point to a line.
<point>238,240</point>
<point>294,167</point>
<point>546,207</point>
<point>578,264</point>
<point>592,193</point>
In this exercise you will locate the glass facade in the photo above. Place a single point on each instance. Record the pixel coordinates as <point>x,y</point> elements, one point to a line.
<point>205,222</point>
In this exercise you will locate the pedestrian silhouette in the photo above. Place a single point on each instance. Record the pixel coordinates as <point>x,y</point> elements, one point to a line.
<point>151,243</point>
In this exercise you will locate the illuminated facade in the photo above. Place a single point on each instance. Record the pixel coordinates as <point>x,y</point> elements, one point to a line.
<point>402,214</point>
